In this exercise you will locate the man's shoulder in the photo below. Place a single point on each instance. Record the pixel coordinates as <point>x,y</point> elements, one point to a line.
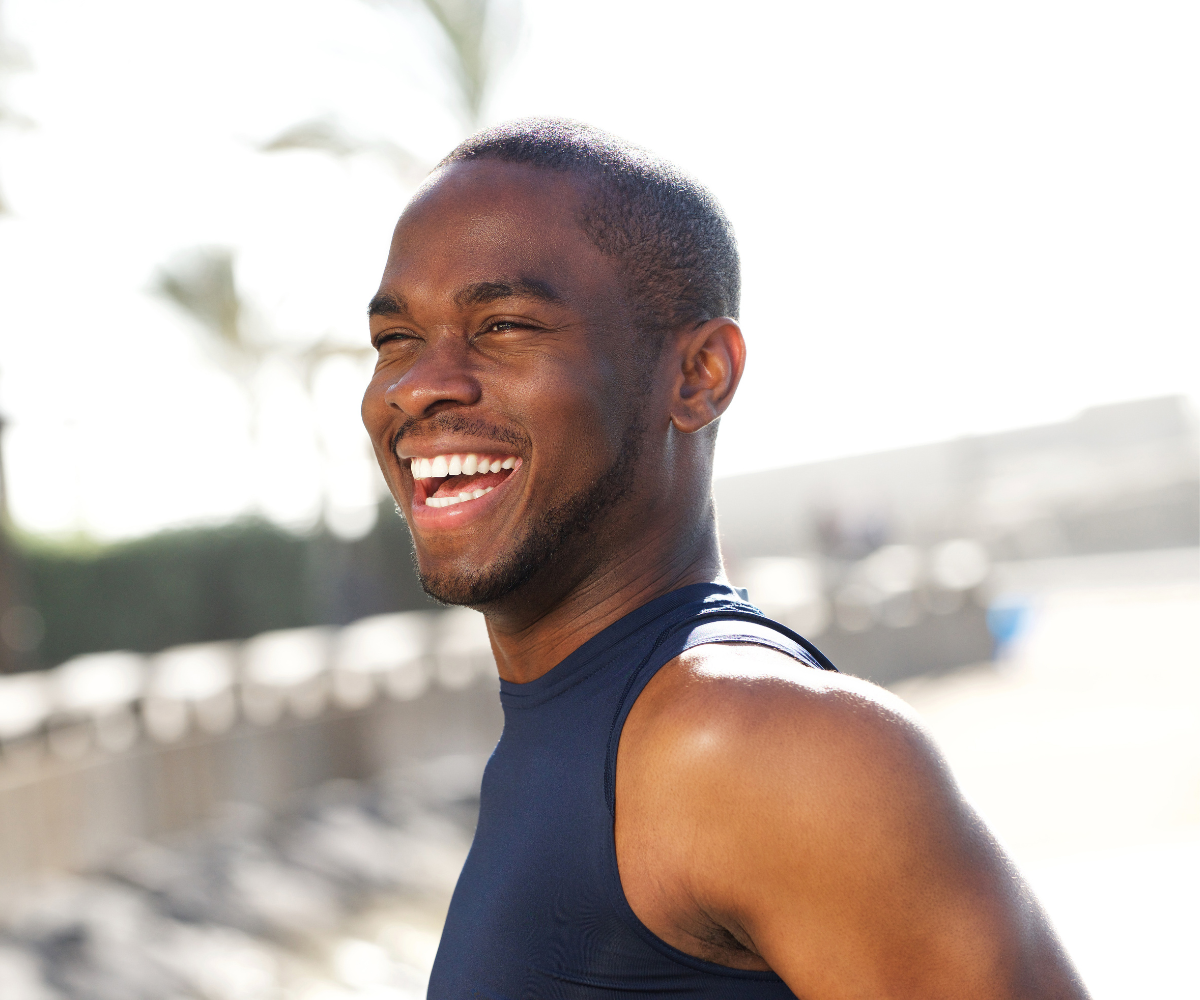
<point>808,815</point>
<point>736,702</point>
<point>773,746</point>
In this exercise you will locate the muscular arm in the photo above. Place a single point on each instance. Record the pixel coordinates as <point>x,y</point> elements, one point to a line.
<point>773,816</point>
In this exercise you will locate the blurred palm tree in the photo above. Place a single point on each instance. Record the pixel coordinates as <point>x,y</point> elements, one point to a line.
<point>464,24</point>
<point>202,283</point>
<point>473,34</point>
<point>471,37</point>
<point>328,135</point>
<point>13,655</point>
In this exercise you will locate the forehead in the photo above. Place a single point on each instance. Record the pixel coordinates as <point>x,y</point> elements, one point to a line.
<point>489,221</point>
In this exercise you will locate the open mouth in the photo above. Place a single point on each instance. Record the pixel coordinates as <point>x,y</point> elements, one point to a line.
<point>445,480</point>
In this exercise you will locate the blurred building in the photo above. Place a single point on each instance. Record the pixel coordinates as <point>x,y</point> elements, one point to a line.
<point>908,561</point>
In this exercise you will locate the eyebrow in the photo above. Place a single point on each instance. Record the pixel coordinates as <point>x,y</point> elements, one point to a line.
<point>385,304</point>
<point>483,292</point>
<point>478,294</point>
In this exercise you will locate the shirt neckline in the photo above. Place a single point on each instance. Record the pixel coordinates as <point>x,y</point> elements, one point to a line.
<point>575,666</point>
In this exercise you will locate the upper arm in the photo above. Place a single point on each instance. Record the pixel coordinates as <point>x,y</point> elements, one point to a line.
<point>824,830</point>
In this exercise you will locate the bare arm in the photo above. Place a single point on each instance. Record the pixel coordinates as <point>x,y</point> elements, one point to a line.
<point>770,816</point>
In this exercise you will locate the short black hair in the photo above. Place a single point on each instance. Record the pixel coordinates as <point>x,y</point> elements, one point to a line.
<point>673,245</point>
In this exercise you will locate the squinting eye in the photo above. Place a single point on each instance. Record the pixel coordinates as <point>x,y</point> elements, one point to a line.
<point>392,337</point>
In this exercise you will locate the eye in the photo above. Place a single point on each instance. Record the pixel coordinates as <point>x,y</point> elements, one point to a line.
<point>504,326</point>
<point>393,336</point>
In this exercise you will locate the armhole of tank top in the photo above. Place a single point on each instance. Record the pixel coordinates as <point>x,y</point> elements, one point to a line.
<point>662,654</point>
<point>663,651</point>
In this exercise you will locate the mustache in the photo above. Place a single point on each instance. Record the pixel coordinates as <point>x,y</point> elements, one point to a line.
<point>457,423</point>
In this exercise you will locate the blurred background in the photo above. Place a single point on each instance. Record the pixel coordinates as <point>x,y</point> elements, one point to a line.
<point>240,750</point>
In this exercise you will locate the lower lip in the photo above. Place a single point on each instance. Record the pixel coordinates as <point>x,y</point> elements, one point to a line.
<point>459,514</point>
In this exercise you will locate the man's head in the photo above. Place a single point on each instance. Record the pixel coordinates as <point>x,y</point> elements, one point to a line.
<point>553,331</point>
<point>666,235</point>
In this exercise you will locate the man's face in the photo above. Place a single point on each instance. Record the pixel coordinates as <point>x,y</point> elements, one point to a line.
<point>503,409</point>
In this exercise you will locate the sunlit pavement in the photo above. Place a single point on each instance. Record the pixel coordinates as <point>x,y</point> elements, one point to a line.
<point>1081,748</point>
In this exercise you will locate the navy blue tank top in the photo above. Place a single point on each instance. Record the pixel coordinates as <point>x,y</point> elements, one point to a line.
<point>539,911</point>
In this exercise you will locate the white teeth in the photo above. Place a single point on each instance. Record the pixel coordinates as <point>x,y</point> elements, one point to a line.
<point>441,466</point>
<point>461,498</point>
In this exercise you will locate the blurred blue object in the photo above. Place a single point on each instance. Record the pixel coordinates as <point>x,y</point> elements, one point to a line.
<point>1006,620</point>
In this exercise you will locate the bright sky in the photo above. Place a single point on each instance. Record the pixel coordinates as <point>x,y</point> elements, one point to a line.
<point>954,218</point>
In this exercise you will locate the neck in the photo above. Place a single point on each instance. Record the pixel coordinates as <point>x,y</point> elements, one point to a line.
<point>536,629</point>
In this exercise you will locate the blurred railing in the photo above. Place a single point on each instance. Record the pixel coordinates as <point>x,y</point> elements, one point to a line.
<point>116,746</point>
<point>109,747</point>
<point>112,746</point>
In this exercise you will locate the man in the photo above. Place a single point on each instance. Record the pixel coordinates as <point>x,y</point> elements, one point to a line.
<point>683,801</point>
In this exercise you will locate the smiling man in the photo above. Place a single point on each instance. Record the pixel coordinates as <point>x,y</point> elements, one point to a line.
<point>686,799</point>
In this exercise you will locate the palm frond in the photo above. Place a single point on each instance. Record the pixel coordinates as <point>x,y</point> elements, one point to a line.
<point>201,282</point>
<point>326,134</point>
<point>464,24</point>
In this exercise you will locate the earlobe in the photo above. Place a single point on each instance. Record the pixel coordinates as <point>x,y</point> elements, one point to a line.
<point>711,358</point>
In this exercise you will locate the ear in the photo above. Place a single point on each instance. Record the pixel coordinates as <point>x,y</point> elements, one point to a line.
<point>708,361</point>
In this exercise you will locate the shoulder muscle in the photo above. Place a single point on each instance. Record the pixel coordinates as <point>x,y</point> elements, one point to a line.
<point>809,815</point>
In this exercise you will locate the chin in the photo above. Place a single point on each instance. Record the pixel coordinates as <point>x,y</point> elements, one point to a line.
<point>473,588</point>
<point>473,585</point>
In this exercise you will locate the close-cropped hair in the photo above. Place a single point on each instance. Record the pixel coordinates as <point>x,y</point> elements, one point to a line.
<point>672,244</point>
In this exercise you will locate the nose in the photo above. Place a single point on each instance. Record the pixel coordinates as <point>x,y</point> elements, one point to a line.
<point>440,377</point>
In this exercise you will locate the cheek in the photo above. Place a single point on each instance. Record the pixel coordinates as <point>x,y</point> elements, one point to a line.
<point>578,412</point>
<point>379,419</point>
<point>375,411</point>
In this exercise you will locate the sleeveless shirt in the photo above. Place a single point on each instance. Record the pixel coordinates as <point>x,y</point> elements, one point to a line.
<point>538,911</point>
